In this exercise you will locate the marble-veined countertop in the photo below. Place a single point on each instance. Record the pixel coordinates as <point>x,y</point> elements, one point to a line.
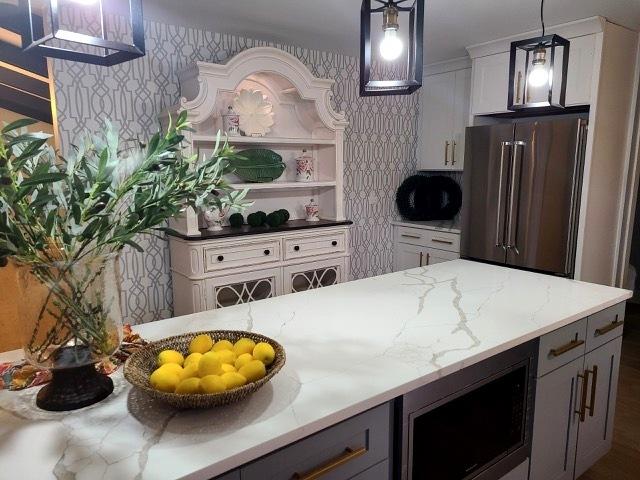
<point>349,347</point>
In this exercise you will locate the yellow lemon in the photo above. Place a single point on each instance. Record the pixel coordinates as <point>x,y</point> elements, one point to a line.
<point>209,364</point>
<point>172,367</point>
<point>189,385</point>
<point>192,358</point>
<point>264,352</point>
<point>170,356</point>
<point>233,380</point>
<point>212,384</point>
<point>253,371</point>
<point>244,345</point>
<point>243,359</point>
<point>190,371</point>
<point>164,380</point>
<point>227,356</point>
<point>222,345</point>
<point>226,367</point>
<point>201,344</point>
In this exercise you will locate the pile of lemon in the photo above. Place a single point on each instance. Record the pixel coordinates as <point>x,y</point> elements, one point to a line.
<point>212,367</point>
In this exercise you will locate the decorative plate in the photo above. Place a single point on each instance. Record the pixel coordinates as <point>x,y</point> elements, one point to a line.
<point>256,112</point>
<point>258,165</point>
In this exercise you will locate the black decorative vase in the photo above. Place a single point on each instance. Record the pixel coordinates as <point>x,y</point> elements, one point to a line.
<point>73,388</point>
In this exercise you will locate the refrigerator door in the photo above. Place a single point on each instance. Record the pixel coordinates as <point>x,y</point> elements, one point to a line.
<point>488,153</point>
<point>544,193</point>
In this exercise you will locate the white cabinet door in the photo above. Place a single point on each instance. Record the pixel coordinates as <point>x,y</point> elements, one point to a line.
<point>431,256</point>
<point>555,423</point>
<point>406,256</point>
<point>460,117</point>
<point>580,70</point>
<point>595,433</point>
<point>438,105</point>
<point>228,290</point>
<point>490,81</point>
<point>312,275</point>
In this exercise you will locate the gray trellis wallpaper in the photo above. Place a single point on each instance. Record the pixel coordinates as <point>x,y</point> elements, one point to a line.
<point>380,143</point>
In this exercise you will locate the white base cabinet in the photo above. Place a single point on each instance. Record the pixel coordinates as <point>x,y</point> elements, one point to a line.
<point>416,245</point>
<point>210,274</point>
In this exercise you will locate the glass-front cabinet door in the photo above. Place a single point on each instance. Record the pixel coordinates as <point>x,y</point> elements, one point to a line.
<point>231,290</point>
<point>309,276</point>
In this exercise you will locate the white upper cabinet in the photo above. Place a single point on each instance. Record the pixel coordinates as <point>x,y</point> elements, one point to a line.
<point>444,117</point>
<point>490,82</point>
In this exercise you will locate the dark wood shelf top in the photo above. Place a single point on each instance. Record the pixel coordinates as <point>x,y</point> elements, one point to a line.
<point>291,225</point>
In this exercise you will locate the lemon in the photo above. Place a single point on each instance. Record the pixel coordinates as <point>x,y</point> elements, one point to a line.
<point>233,380</point>
<point>222,345</point>
<point>164,380</point>
<point>201,344</point>
<point>243,359</point>
<point>253,371</point>
<point>226,356</point>
<point>172,367</point>
<point>209,364</point>
<point>189,385</point>
<point>244,345</point>
<point>264,352</point>
<point>189,371</point>
<point>212,384</point>
<point>227,367</point>
<point>170,356</point>
<point>192,358</point>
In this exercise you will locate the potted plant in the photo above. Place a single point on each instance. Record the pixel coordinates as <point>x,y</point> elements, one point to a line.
<point>63,222</point>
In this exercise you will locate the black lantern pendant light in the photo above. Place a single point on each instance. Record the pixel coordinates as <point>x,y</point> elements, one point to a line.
<point>90,45</point>
<point>391,46</point>
<point>538,71</point>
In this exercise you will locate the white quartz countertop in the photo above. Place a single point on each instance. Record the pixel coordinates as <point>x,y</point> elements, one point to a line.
<point>349,347</point>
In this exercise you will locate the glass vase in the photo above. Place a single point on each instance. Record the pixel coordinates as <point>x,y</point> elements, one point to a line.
<point>72,320</point>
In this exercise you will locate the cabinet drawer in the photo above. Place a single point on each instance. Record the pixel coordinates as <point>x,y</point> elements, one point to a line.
<point>562,346</point>
<point>604,326</point>
<point>429,238</point>
<point>308,246</point>
<point>242,254</point>
<point>343,451</point>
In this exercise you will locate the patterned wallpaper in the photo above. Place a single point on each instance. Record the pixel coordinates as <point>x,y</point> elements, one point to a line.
<point>380,143</point>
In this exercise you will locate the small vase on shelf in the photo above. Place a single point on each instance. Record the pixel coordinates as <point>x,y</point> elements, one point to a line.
<point>313,212</point>
<point>214,219</point>
<point>304,167</point>
<point>231,122</point>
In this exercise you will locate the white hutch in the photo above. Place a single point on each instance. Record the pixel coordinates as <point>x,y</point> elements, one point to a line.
<point>237,265</point>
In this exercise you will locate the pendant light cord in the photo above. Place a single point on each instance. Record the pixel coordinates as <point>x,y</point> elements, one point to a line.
<point>542,15</point>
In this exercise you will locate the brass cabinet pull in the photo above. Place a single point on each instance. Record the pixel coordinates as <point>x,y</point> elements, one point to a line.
<point>556,352</point>
<point>446,152</point>
<point>608,328</point>
<point>406,235</point>
<point>439,240</point>
<point>594,383</point>
<point>453,153</point>
<point>420,258</point>
<point>348,455</point>
<point>582,411</point>
<point>428,259</point>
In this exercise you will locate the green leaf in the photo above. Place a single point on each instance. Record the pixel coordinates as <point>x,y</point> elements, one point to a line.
<point>43,178</point>
<point>258,165</point>
<point>22,122</point>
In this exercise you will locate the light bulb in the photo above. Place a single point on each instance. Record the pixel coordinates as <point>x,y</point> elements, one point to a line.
<point>391,45</point>
<point>538,76</point>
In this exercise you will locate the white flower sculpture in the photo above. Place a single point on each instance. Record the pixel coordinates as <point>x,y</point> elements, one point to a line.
<point>256,112</point>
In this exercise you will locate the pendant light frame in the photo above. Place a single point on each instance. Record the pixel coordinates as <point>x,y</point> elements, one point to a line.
<point>413,82</point>
<point>115,52</point>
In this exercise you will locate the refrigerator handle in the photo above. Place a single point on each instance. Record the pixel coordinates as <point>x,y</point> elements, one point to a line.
<point>512,226</point>
<point>500,231</point>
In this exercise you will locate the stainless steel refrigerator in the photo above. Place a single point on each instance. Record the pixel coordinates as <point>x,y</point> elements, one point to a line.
<point>521,193</point>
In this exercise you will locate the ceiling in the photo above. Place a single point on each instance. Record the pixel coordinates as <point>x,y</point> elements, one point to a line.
<point>333,25</point>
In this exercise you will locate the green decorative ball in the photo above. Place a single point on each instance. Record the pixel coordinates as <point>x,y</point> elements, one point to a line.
<point>285,214</point>
<point>236,220</point>
<point>263,217</point>
<point>255,220</point>
<point>275,219</point>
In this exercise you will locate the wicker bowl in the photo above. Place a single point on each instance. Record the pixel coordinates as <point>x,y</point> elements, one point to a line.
<point>142,363</point>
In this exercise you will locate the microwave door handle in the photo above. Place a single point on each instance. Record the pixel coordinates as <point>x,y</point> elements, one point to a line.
<point>515,175</point>
<point>500,231</point>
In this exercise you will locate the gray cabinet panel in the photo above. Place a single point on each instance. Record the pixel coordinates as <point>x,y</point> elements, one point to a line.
<point>381,471</point>
<point>605,326</point>
<point>232,475</point>
<point>595,433</point>
<point>561,346</point>
<point>368,433</point>
<point>555,425</point>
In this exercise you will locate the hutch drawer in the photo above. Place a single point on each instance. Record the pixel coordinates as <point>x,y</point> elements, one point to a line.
<point>230,256</point>
<point>311,245</point>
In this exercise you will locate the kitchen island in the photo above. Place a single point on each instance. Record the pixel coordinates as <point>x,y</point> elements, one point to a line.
<point>350,347</point>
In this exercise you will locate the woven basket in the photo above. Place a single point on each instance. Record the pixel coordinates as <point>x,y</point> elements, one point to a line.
<point>143,362</point>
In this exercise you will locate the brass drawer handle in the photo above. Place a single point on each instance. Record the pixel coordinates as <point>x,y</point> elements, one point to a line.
<point>446,153</point>
<point>608,328</point>
<point>594,383</point>
<point>453,153</point>
<point>348,455</point>
<point>439,240</point>
<point>406,235</point>
<point>556,352</point>
<point>421,257</point>
<point>582,411</point>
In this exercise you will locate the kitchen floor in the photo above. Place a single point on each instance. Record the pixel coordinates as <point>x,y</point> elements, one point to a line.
<point>623,461</point>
